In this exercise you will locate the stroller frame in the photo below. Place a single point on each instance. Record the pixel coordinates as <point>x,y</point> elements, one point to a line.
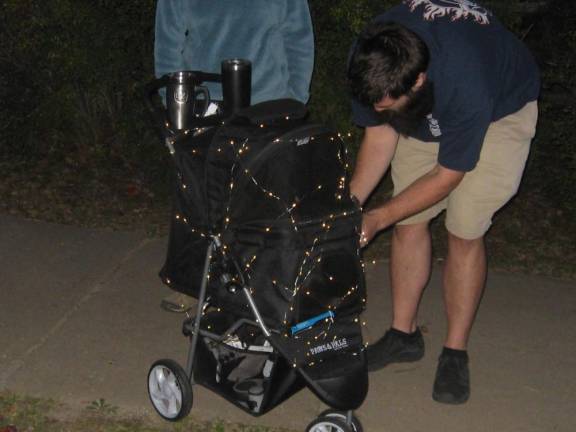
<point>184,379</point>
<point>197,332</point>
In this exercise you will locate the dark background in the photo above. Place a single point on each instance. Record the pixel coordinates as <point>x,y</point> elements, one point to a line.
<point>76,145</point>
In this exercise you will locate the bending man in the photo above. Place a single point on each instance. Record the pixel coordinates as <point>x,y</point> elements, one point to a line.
<point>447,97</point>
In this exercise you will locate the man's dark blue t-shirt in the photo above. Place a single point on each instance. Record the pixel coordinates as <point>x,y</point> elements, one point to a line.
<point>480,72</point>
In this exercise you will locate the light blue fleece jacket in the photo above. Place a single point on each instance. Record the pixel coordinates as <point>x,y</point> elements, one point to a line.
<point>275,35</point>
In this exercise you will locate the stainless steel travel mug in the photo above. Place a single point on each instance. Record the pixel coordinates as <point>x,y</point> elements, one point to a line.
<point>181,99</point>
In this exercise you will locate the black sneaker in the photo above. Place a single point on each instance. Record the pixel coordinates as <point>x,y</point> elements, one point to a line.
<point>452,383</point>
<point>395,347</point>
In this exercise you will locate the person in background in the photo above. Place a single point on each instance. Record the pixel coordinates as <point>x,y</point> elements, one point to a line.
<point>275,35</point>
<point>447,97</point>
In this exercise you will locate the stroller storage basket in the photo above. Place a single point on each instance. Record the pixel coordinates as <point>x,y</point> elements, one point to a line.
<point>256,375</point>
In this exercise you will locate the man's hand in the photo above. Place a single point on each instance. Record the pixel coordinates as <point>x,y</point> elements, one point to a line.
<point>371,224</point>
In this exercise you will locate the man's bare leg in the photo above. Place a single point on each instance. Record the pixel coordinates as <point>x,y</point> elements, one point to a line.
<point>410,264</point>
<point>464,279</point>
<point>409,270</point>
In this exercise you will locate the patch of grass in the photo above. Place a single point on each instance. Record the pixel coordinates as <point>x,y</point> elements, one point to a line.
<point>28,414</point>
<point>100,406</point>
<point>59,192</point>
<point>25,413</point>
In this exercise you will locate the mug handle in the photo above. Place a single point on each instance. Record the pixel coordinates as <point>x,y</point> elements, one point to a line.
<point>201,90</point>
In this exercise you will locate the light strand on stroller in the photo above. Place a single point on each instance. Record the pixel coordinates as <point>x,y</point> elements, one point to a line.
<point>308,264</point>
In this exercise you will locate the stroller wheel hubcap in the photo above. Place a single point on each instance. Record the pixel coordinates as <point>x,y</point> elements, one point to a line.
<point>326,427</point>
<point>165,391</point>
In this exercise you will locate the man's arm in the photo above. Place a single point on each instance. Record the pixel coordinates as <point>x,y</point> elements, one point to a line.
<point>432,187</point>
<point>376,151</point>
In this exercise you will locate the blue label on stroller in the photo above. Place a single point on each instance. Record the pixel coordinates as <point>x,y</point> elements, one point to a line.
<point>310,322</point>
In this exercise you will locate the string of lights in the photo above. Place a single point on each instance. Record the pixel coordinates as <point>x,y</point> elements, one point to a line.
<point>312,255</point>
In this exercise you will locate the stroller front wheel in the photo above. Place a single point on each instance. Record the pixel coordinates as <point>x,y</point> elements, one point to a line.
<point>329,424</point>
<point>169,389</point>
<point>341,415</point>
<point>334,421</point>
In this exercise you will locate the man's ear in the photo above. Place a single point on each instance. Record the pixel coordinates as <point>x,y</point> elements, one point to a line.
<point>419,81</point>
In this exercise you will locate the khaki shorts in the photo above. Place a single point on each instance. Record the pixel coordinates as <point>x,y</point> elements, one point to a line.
<point>495,179</point>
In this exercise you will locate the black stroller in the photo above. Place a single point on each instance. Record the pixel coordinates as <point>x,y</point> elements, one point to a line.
<point>264,234</point>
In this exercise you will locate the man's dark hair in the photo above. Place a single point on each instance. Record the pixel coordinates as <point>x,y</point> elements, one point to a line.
<point>386,61</point>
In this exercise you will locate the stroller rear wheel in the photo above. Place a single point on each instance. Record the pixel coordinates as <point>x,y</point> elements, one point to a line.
<point>169,389</point>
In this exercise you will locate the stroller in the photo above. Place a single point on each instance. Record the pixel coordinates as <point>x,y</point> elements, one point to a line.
<point>265,236</point>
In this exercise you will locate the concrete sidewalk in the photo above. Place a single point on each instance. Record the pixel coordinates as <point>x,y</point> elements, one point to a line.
<point>79,321</point>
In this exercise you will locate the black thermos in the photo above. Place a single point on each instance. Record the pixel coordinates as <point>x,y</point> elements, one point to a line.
<point>236,84</point>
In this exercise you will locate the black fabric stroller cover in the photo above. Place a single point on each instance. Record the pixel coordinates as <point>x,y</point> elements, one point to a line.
<point>273,188</point>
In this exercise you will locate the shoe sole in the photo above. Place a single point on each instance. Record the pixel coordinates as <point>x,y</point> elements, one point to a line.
<point>447,398</point>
